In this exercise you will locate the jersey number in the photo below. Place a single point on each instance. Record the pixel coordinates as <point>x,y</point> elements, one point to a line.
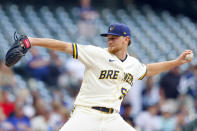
<point>124,92</point>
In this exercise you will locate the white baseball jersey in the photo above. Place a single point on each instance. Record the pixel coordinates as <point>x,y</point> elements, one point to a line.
<point>107,79</point>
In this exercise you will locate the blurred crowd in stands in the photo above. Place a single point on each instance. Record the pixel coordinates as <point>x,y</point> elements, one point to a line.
<point>165,103</point>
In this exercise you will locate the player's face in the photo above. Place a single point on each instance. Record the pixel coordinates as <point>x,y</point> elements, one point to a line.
<point>115,43</point>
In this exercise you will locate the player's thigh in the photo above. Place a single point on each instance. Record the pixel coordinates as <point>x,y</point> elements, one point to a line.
<point>80,121</point>
<point>118,124</point>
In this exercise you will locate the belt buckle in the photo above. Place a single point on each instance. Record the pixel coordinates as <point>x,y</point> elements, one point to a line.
<point>104,109</point>
<point>110,111</point>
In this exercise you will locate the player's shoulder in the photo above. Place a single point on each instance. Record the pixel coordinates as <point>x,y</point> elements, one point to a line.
<point>92,48</point>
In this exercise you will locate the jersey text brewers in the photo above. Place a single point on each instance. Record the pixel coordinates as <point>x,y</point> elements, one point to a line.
<point>107,79</point>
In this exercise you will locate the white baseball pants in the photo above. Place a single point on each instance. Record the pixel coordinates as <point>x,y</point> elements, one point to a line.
<point>87,119</point>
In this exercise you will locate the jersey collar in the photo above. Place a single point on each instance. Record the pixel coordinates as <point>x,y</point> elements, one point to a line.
<point>117,57</point>
<point>124,58</point>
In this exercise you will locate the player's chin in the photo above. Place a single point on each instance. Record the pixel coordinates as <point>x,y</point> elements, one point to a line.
<point>111,50</point>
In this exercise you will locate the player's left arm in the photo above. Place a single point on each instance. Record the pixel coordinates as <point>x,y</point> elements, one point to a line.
<point>157,68</point>
<point>52,44</point>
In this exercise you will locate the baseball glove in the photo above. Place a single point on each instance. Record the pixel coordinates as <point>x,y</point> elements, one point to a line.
<point>17,50</point>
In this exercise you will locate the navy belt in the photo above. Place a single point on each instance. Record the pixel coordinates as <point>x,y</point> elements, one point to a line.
<point>104,109</point>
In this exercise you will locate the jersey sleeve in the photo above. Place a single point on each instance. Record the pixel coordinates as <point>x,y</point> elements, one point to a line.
<point>141,70</point>
<point>87,54</point>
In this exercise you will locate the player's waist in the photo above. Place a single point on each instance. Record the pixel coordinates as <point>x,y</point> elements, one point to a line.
<point>100,109</point>
<point>109,102</point>
<point>104,109</point>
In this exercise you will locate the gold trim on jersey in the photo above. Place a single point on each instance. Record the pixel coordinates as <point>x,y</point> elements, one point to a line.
<point>143,75</point>
<point>75,51</point>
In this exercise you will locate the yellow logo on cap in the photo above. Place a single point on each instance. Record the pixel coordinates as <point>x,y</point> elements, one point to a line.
<point>111,28</point>
<point>125,33</point>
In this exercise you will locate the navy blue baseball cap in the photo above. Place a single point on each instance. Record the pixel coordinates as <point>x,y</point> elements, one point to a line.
<point>118,30</point>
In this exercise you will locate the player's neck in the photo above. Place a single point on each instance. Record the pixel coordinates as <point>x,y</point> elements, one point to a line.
<point>121,54</point>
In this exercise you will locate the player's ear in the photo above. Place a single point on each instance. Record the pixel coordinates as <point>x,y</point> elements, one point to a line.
<point>129,43</point>
<point>128,40</point>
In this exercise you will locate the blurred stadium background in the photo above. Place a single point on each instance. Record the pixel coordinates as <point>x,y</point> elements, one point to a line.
<point>41,88</point>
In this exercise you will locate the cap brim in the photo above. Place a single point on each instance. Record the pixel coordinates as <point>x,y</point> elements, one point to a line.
<point>106,34</point>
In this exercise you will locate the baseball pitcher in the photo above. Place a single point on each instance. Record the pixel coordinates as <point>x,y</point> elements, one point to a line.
<point>109,74</point>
